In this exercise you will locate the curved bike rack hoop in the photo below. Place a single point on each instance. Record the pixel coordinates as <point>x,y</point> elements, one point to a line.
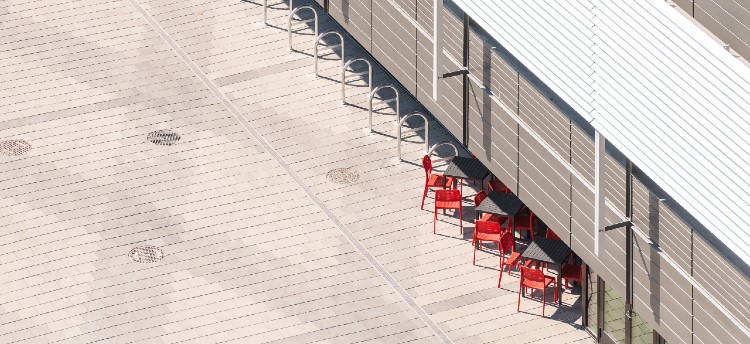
<point>426,131</point>
<point>291,16</point>
<point>343,76</point>
<point>443,143</point>
<point>317,42</point>
<point>372,95</point>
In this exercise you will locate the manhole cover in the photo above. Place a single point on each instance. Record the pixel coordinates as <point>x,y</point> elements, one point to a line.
<point>164,137</point>
<point>146,254</point>
<point>14,147</point>
<point>345,175</point>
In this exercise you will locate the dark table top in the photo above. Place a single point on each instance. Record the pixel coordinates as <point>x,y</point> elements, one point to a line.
<point>546,250</point>
<point>466,168</point>
<point>499,203</point>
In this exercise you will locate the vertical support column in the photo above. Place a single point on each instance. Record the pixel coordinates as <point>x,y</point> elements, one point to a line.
<point>437,47</point>
<point>326,4</point>
<point>467,21</point>
<point>599,156</point>
<point>628,252</point>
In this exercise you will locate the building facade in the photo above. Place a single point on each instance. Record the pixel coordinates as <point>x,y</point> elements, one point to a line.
<point>539,138</point>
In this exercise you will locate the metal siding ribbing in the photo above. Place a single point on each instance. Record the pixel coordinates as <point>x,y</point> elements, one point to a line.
<point>681,123</point>
<point>729,20</point>
<point>544,185</point>
<point>394,45</point>
<point>560,36</point>
<point>354,15</point>
<point>493,136</point>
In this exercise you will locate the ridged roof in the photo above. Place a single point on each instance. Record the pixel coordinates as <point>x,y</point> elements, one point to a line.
<point>654,84</point>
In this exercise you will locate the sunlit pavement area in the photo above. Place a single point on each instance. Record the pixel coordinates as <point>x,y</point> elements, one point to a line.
<point>166,179</point>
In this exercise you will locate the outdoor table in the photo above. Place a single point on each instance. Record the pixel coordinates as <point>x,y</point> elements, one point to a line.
<point>550,252</point>
<point>502,204</point>
<point>467,168</point>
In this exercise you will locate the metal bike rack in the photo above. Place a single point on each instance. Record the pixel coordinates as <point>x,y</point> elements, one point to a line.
<point>443,143</point>
<point>343,76</point>
<point>317,42</point>
<point>291,16</point>
<point>426,131</point>
<point>398,101</point>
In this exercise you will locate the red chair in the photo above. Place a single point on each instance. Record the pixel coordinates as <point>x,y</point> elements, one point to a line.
<point>433,180</point>
<point>496,185</point>
<point>525,223</point>
<point>448,199</point>
<point>478,198</point>
<point>486,231</point>
<point>571,272</point>
<point>535,280</point>
<point>551,235</point>
<point>507,247</point>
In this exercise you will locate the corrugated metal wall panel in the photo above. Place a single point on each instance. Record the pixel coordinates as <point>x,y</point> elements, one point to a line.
<point>544,184</point>
<point>582,153</point>
<point>710,326</point>
<point>663,227</point>
<point>425,14</point>
<point>612,254</point>
<point>493,71</point>
<point>647,105</point>
<point>662,296</point>
<point>448,108</point>
<point>394,44</point>
<point>493,136</point>
<point>354,16</point>
<point>614,184</point>
<point>544,118</point>
<point>685,5</point>
<point>722,280</point>
<point>582,223</point>
<point>453,35</point>
<point>727,19</point>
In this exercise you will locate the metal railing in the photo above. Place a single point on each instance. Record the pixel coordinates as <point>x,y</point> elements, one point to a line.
<point>317,42</point>
<point>426,128</point>
<point>372,95</point>
<point>443,143</point>
<point>291,16</point>
<point>343,76</point>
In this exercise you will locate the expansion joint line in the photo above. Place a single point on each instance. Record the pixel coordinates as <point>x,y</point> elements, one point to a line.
<point>280,160</point>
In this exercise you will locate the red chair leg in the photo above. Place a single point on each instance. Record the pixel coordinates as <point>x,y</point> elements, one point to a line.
<point>518,308</point>
<point>424,195</point>
<point>544,300</point>
<point>500,280</point>
<point>434,222</point>
<point>475,255</point>
<point>461,220</point>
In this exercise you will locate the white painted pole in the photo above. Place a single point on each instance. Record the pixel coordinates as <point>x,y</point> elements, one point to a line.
<point>437,48</point>
<point>599,206</point>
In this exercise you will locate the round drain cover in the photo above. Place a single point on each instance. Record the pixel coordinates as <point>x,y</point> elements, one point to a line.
<point>164,137</point>
<point>345,175</point>
<point>146,254</point>
<point>14,147</point>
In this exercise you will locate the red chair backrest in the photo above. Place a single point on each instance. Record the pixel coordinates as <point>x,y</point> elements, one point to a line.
<point>531,274</point>
<point>427,164</point>
<point>488,227</point>
<point>551,235</point>
<point>524,220</point>
<point>506,242</point>
<point>481,195</point>
<point>448,195</point>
